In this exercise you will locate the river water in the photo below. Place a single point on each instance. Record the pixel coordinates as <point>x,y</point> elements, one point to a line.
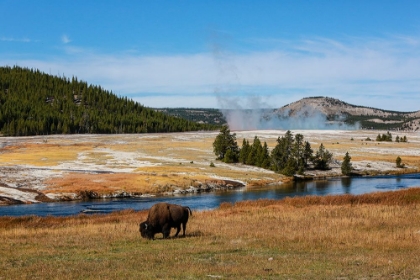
<point>204,201</point>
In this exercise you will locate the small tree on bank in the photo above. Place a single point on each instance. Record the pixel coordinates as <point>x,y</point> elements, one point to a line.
<point>346,165</point>
<point>322,158</point>
<point>399,163</point>
<point>225,144</point>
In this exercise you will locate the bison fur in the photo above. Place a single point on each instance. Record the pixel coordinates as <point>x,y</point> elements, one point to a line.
<point>164,216</point>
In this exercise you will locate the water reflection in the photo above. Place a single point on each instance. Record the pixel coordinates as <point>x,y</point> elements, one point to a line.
<point>355,185</point>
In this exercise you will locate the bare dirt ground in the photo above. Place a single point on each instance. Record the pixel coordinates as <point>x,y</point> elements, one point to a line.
<point>57,167</point>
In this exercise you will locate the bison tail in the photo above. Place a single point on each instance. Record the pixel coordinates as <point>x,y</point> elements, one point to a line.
<point>189,210</point>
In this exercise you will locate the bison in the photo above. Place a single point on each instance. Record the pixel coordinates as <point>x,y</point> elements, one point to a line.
<point>164,216</point>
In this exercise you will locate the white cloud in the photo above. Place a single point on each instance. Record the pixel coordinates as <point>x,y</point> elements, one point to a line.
<point>11,39</point>
<point>383,73</point>
<point>65,39</point>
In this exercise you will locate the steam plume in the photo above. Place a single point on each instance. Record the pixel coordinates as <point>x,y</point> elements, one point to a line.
<point>245,111</point>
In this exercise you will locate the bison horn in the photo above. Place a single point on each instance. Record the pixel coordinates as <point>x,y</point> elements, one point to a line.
<point>145,226</point>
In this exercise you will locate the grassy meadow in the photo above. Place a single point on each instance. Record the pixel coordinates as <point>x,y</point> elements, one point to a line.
<point>371,236</point>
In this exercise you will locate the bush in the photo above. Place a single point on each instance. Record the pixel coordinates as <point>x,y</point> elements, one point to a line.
<point>398,162</point>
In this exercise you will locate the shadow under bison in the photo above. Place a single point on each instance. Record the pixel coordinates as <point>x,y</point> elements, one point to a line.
<point>164,216</point>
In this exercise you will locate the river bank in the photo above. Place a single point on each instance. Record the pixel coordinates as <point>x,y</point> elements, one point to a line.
<point>58,167</point>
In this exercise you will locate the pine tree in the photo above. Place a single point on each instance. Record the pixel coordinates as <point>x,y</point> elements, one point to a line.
<point>346,165</point>
<point>298,152</point>
<point>243,154</point>
<point>322,158</point>
<point>264,157</point>
<point>252,158</point>
<point>282,152</point>
<point>226,141</point>
<point>398,163</point>
<point>307,153</point>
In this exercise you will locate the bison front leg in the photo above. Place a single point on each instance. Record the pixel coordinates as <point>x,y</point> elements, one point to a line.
<point>178,229</point>
<point>166,230</point>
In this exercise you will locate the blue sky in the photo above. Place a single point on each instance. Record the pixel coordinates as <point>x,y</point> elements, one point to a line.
<point>224,54</point>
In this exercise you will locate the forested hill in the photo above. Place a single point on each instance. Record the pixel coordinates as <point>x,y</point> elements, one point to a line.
<point>35,103</point>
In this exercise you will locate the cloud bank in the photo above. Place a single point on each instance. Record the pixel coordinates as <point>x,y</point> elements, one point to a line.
<point>382,73</point>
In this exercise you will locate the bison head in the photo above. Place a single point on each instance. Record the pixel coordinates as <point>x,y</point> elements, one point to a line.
<point>146,230</point>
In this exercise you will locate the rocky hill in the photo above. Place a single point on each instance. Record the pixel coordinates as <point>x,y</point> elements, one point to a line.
<point>337,111</point>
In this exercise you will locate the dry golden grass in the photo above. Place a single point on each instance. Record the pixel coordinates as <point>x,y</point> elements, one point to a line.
<point>150,183</point>
<point>374,236</point>
<point>40,154</point>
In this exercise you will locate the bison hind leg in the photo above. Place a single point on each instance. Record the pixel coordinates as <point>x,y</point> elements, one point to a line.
<point>184,228</point>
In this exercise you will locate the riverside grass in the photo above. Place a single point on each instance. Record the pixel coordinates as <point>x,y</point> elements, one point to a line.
<point>370,236</point>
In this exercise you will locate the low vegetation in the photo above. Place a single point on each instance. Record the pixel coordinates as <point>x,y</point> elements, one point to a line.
<point>371,236</point>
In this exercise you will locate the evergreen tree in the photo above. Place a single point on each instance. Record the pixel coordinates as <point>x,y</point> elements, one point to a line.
<point>290,168</point>
<point>307,153</point>
<point>264,157</point>
<point>384,137</point>
<point>298,152</point>
<point>244,152</point>
<point>224,142</point>
<point>346,165</point>
<point>282,152</point>
<point>322,158</point>
<point>230,157</point>
<point>252,158</point>
<point>398,163</point>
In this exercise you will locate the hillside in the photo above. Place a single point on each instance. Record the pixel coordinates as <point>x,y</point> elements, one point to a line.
<point>35,103</point>
<point>335,110</point>
<point>199,115</point>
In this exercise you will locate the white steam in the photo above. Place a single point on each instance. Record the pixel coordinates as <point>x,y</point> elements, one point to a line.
<point>250,111</point>
<point>260,117</point>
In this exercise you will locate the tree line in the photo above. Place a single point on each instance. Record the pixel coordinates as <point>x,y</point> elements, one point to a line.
<point>35,103</point>
<point>291,155</point>
<point>388,138</point>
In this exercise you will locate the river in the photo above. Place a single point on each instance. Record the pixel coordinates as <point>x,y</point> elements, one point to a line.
<point>204,201</point>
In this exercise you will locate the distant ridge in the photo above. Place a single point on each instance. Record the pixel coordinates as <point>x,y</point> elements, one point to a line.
<point>336,110</point>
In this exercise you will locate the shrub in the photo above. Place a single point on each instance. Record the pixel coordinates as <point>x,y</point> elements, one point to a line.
<point>398,163</point>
